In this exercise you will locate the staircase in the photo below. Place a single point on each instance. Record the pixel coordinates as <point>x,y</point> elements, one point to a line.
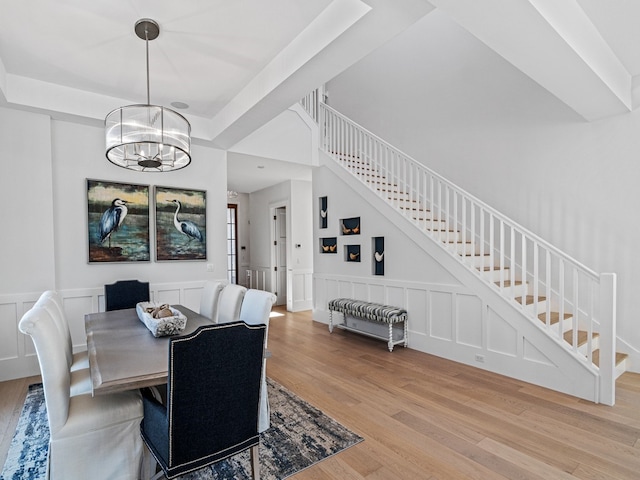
<point>568,301</point>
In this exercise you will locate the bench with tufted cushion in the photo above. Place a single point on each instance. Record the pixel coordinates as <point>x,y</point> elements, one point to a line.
<point>372,312</point>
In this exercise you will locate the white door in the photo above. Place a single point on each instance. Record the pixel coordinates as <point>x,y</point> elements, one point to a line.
<point>280,245</point>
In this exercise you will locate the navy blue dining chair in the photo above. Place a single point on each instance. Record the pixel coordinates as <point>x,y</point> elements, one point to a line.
<point>125,294</point>
<point>213,395</point>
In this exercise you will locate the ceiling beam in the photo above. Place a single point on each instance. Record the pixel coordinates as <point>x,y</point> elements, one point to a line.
<point>555,44</point>
<point>343,34</point>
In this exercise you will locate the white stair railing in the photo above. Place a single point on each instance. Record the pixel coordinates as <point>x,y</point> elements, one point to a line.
<point>311,103</point>
<point>256,279</point>
<point>547,285</point>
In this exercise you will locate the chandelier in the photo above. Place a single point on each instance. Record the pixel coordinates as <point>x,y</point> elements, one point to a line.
<point>147,138</point>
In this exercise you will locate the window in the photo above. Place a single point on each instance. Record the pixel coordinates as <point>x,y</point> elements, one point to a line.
<point>232,243</point>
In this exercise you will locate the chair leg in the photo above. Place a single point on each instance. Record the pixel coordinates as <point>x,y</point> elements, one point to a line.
<point>255,463</point>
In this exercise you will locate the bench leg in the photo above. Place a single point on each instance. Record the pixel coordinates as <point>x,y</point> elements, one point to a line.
<point>390,344</point>
<point>406,338</point>
<point>330,321</point>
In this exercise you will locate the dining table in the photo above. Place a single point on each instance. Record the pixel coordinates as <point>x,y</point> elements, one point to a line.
<point>124,354</point>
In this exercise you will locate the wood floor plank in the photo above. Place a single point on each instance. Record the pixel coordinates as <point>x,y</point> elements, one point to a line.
<point>525,462</point>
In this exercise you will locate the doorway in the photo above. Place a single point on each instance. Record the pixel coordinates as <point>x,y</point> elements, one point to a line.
<point>280,254</point>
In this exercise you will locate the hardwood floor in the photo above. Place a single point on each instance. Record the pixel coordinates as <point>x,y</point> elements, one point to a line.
<point>423,417</point>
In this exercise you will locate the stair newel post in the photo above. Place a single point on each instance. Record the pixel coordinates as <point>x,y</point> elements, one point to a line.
<point>607,394</point>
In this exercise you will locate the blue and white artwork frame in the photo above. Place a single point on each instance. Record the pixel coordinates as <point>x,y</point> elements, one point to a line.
<point>117,222</point>
<point>181,224</point>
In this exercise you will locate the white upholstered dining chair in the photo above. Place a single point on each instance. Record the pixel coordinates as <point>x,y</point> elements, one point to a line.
<point>80,377</point>
<point>230,303</point>
<point>255,310</point>
<point>90,437</point>
<point>210,298</point>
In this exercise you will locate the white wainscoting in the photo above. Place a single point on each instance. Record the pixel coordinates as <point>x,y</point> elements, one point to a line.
<point>452,322</point>
<point>300,296</point>
<point>17,354</point>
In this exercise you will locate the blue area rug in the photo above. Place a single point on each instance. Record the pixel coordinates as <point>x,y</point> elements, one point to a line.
<point>27,456</point>
<point>300,435</point>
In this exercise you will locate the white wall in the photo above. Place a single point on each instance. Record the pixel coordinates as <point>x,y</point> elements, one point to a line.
<point>295,195</point>
<point>444,98</point>
<point>44,236</point>
<point>26,220</point>
<point>404,260</point>
<point>78,154</point>
<point>284,138</point>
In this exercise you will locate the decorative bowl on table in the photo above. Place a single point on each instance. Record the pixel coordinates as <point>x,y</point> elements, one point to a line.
<point>161,318</point>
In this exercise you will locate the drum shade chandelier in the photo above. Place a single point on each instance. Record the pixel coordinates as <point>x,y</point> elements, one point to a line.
<point>147,138</point>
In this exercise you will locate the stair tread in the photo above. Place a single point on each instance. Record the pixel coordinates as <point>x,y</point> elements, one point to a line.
<point>583,336</point>
<point>620,357</point>
<point>507,283</point>
<point>529,299</point>
<point>553,317</point>
<point>404,207</point>
<point>383,182</point>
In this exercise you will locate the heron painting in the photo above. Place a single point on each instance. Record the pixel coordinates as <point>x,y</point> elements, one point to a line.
<point>180,224</point>
<point>118,222</point>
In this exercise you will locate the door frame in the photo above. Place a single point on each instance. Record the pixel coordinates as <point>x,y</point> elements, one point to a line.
<point>272,251</point>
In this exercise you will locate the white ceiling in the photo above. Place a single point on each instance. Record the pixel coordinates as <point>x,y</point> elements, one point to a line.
<point>237,64</point>
<point>206,53</point>
<point>240,63</point>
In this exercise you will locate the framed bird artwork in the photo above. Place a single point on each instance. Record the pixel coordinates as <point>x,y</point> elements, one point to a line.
<point>378,255</point>
<point>117,222</point>
<point>323,212</point>
<point>181,227</point>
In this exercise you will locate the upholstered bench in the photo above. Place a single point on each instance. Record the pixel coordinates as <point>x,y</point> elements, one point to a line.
<point>375,313</point>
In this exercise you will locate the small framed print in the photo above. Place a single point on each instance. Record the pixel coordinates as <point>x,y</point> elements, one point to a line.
<point>323,212</point>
